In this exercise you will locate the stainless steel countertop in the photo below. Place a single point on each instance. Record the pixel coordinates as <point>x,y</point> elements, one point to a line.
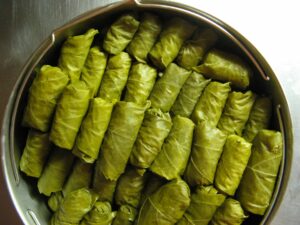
<point>271,26</point>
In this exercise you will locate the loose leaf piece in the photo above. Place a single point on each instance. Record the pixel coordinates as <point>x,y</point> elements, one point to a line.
<point>125,215</point>
<point>258,182</point>
<point>44,93</point>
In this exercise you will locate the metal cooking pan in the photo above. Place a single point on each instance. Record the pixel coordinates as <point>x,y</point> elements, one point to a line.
<point>29,204</point>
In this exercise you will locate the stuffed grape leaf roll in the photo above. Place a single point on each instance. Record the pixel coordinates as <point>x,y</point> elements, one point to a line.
<point>204,203</point>
<point>55,172</point>
<point>189,95</point>
<point>154,130</point>
<point>167,88</point>
<point>35,153</point>
<point>227,67</point>
<point>145,37</point>
<point>44,93</point>
<point>258,182</point>
<point>55,200</point>
<point>120,34</point>
<point>193,51</point>
<point>115,77</point>
<point>236,112</point>
<point>125,215</point>
<point>118,141</point>
<point>211,103</point>
<point>69,113</point>
<point>74,53</point>
<point>92,130</point>
<point>232,164</point>
<point>206,151</point>
<point>140,83</point>
<point>259,118</point>
<point>172,159</point>
<point>173,35</point>
<point>166,206</point>
<point>93,69</point>
<point>230,212</point>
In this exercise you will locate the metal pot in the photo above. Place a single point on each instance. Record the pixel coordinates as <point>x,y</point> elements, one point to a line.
<point>29,204</point>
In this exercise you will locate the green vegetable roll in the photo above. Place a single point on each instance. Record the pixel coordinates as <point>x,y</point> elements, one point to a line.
<point>35,153</point>
<point>167,205</point>
<point>74,206</point>
<point>167,88</point>
<point>140,83</point>
<point>236,112</point>
<point>224,66</point>
<point>204,203</point>
<point>130,186</point>
<point>154,130</point>
<point>193,51</point>
<point>258,182</point>
<point>92,130</point>
<point>259,118</point>
<point>211,103</point>
<point>189,95</point>
<point>115,77</point>
<point>101,214</point>
<point>55,200</point>
<point>170,41</point>
<point>232,164</point>
<point>74,53</point>
<point>70,111</point>
<point>206,151</point>
<point>93,69</point>
<point>120,34</point>
<point>172,159</point>
<point>145,37</point>
<point>230,212</point>
<point>44,93</point>
<point>118,141</point>
<point>55,172</point>
<point>125,215</point>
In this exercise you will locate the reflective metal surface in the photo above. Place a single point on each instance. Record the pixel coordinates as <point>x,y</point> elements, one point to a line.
<point>23,29</point>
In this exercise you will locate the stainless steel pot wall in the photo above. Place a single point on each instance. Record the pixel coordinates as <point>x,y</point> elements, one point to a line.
<point>31,206</point>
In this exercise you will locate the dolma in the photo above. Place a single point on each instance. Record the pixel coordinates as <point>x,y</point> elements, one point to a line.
<point>92,129</point>
<point>55,200</point>
<point>74,53</point>
<point>204,203</point>
<point>154,130</point>
<point>74,206</point>
<point>35,153</point>
<point>144,39</point>
<point>130,186</point>
<point>230,213</point>
<point>140,83</point>
<point>211,103</point>
<point>103,187</point>
<point>172,159</point>
<point>192,52</point>
<point>93,69</point>
<point>172,37</point>
<point>55,172</point>
<point>259,118</point>
<point>236,112</point>
<point>232,164</point>
<point>167,88</point>
<point>258,182</point>
<point>125,215</point>
<point>189,95</point>
<point>226,67</point>
<point>118,141</point>
<point>115,77</point>
<point>70,111</point>
<point>44,93</point>
<point>101,214</point>
<point>206,151</point>
<point>167,205</point>
<point>120,34</point>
